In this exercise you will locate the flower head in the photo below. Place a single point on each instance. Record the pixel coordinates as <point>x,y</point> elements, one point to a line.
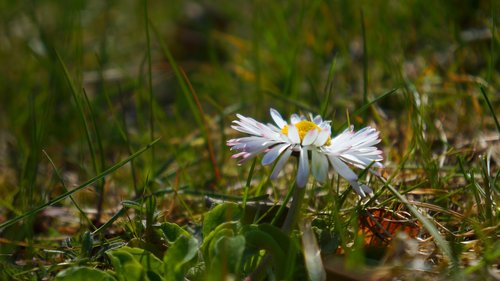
<point>310,140</point>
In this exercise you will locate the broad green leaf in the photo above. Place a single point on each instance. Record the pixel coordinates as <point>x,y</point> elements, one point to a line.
<point>212,250</point>
<point>136,264</point>
<point>177,257</point>
<point>279,236</point>
<point>261,240</point>
<point>224,229</point>
<point>229,252</point>
<point>276,242</point>
<point>225,212</point>
<point>226,258</point>
<point>78,273</point>
<point>172,231</point>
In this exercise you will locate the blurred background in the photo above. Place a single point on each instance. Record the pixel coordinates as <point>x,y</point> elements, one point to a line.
<point>328,57</point>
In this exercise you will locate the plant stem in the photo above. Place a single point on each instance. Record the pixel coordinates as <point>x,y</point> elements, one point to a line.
<point>294,210</point>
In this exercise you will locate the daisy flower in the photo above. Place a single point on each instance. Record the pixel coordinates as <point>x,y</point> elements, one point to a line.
<point>311,141</point>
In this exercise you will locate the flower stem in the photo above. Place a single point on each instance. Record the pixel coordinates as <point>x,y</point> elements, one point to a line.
<point>294,210</point>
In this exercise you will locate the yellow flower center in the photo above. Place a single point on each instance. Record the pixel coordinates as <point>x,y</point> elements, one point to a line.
<point>303,127</point>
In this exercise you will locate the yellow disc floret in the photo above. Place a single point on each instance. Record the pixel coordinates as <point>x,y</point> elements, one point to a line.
<point>303,127</point>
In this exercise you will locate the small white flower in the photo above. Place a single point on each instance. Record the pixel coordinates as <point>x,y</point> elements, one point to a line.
<point>311,141</point>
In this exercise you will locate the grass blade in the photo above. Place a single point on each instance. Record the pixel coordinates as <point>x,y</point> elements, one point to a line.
<point>365,62</point>
<point>366,106</point>
<point>192,99</point>
<point>428,225</point>
<point>490,107</point>
<point>150,81</point>
<point>328,87</point>
<point>97,167</point>
<point>65,188</point>
<point>78,188</point>
<point>79,106</point>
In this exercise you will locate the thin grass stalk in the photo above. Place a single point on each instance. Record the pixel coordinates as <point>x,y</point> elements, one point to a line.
<point>65,188</point>
<point>365,107</point>
<point>490,107</point>
<point>208,137</point>
<point>150,82</point>
<point>469,178</point>
<point>365,63</point>
<point>192,99</point>
<point>125,136</point>
<point>492,61</point>
<point>428,225</point>
<point>100,200</point>
<point>77,99</point>
<point>488,186</point>
<point>247,185</point>
<point>76,189</point>
<point>328,87</point>
<point>256,38</point>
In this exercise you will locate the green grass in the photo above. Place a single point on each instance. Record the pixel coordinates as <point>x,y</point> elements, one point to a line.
<point>114,119</point>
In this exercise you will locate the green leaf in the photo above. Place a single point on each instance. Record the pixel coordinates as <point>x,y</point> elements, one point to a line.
<point>212,253</point>
<point>225,212</point>
<point>263,241</point>
<point>228,253</point>
<point>178,256</point>
<point>136,264</point>
<point>276,243</point>
<point>279,236</point>
<point>87,244</point>
<point>224,229</point>
<point>172,232</point>
<point>223,251</point>
<point>127,268</point>
<point>78,273</point>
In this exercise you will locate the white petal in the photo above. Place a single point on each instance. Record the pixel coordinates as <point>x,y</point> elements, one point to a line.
<point>342,169</point>
<point>277,118</point>
<point>247,157</point>
<point>293,134</point>
<point>366,189</point>
<point>325,125</point>
<point>319,166</point>
<point>274,128</point>
<point>322,138</point>
<point>267,132</point>
<point>272,154</point>
<point>318,120</point>
<point>285,138</point>
<point>360,160</point>
<point>245,129</point>
<point>281,162</point>
<point>239,154</point>
<point>294,119</point>
<point>359,189</point>
<point>252,146</point>
<point>303,172</point>
<point>310,137</point>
